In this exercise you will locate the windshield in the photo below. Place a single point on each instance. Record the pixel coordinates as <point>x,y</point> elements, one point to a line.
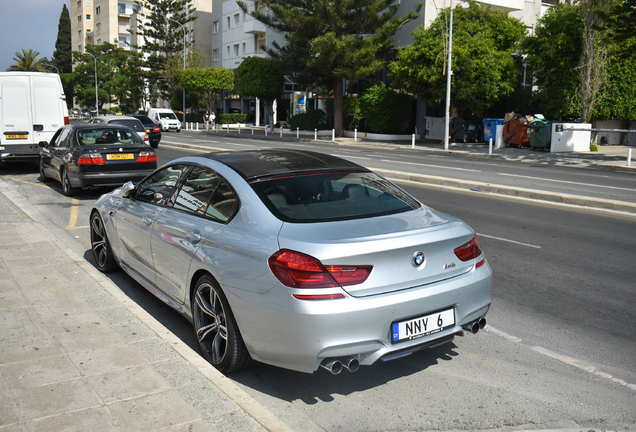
<point>167,116</point>
<point>107,136</point>
<point>332,196</point>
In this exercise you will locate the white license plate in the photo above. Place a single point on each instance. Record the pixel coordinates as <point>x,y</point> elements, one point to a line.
<point>423,326</point>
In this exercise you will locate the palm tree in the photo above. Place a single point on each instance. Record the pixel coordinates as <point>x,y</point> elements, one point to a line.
<point>27,62</point>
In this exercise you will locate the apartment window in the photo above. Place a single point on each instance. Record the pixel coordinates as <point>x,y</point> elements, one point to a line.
<point>243,48</point>
<point>122,42</point>
<point>236,50</point>
<point>215,55</point>
<point>79,34</point>
<point>99,41</point>
<point>79,18</point>
<point>237,20</point>
<point>228,22</point>
<point>228,51</point>
<point>215,26</point>
<point>98,27</point>
<point>88,17</point>
<point>136,8</point>
<point>98,9</point>
<point>79,48</point>
<point>88,2</point>
<point>121,8</point>
<point>79,3</point>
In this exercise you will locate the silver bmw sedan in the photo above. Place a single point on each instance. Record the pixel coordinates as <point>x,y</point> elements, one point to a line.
<point>294,258</point>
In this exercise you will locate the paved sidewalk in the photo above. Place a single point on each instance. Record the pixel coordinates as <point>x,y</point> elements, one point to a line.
<point>76,354</point>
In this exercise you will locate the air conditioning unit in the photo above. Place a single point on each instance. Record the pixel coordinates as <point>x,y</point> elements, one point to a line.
<point>115,40</point>
<point>89,34</point>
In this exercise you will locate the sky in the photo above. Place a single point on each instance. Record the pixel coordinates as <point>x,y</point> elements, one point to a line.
<point>28,24</point>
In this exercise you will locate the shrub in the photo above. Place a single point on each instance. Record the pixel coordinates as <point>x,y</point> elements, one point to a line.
<point>231,118</point>
<point>384,110</point>
<point>310,120</point>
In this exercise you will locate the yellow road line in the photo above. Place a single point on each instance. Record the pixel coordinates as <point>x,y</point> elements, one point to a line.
<point>27,182</point>
<point>74,210</point>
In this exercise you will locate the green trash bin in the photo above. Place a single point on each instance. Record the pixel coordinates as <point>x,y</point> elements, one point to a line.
<point>540,131</point>
<point>470,130</point>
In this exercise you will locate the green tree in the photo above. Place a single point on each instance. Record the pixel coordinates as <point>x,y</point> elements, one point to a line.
<point>27,61</point>
<point>621,23</point>
<point>162,28</point>
<point>384,110</point>
<point>331,40</point>
<point>62,57</point>
<point>484,68</point>
<point>262,78</point>
<point>553,55</point>
<point>195,59</point>
<point>208,81</point>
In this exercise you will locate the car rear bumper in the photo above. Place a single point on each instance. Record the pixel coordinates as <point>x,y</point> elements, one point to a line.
<point>301,334</point>
<point>107,178</point>
<point>18,152</point>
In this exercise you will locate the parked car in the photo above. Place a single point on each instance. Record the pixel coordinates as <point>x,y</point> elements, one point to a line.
<point>294,258</point>
<point>152,129</point>
<point>129,121</point>
<point>87,156</point>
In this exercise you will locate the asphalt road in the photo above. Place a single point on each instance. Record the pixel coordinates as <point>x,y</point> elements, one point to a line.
<point>559,348</point>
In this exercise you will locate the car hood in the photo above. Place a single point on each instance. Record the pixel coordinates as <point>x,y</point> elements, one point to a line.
<point>388,243</point>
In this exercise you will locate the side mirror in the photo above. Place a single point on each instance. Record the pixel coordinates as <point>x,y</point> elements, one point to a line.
<point>128,190</point>
<point>43,144</point>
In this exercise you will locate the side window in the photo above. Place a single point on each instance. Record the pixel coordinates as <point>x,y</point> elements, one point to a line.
<point>158,188</point>
<point>62,139</point>
<point>205,193</point>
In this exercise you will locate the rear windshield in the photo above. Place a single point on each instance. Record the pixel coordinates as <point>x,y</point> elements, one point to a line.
<point>104,136</point>
<point>332,196</point>
<point>133,124</point>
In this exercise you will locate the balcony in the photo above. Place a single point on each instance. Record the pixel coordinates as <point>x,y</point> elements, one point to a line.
<point>254,27</point>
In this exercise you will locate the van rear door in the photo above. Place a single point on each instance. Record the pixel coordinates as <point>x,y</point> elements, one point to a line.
<point>15,104</point>
<point>48,106</point>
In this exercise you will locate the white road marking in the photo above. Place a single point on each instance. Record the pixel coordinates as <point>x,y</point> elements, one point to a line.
<point>509,241</point>
<point>565,181</point>
<point>432,166</point>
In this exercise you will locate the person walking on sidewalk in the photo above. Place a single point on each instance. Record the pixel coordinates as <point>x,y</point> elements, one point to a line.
<point>213,120</point>
<point>206,120</point>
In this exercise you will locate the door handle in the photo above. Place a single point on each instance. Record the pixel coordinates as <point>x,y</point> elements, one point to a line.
<point>194,236</point>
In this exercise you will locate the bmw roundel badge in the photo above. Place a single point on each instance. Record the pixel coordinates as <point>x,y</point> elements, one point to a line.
<point>418,259</point>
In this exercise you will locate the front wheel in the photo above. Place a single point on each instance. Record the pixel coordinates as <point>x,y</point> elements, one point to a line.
<point>43,177</point>
<point>178,130</point>
<point>102,252</point>
<point>216,329</point>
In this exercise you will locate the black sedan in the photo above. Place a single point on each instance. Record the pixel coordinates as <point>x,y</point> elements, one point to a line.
<point>88,156</point>
<point>152,128</point>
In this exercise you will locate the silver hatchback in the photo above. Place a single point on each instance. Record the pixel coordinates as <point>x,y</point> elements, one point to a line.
<point>295,258</point>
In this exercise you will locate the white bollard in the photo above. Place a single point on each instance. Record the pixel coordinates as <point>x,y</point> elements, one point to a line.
<point>228,128</point>
<point>266,127</point>
<point>297,133</point>
<point>315,134</point>
<point>252,130</point>
<point>333,134</point>
<point>355,134</point>
<point>490,146</point>
<point>413,141</point>
<point>629,157</point>
<point>239,126</point>
<point>197,125</point>
<point>281,131</point>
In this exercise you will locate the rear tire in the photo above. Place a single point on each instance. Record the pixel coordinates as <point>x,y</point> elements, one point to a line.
<point>102,253</point>
<point>154,145</point>
<point>215,328</point>
<point>66,184</point>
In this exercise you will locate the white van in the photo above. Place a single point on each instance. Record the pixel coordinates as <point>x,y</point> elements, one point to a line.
<point>32,109</point>
<point>166,118</point>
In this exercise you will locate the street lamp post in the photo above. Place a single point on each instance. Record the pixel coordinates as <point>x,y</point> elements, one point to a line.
<point>184,64</point>
<point>96,98</point>
<point>449,72</point>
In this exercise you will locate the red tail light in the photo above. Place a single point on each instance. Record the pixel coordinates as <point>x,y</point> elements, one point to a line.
<point>156,129</point>
<point>298,270</point>
<point>91,159</point>
<point>468,251</point>
<point>147,156</point>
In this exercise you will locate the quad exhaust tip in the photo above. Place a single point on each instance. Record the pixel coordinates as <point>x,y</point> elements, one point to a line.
<point>335,365</point>
<point>475,326</point>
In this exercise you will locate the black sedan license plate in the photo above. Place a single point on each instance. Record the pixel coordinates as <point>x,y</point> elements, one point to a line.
<point>423,326</point>
<point>120,156</point>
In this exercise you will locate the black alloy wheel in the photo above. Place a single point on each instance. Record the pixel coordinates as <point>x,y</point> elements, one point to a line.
<point>215,328</point>
<point>102,252</point>
<point>66,184</point>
